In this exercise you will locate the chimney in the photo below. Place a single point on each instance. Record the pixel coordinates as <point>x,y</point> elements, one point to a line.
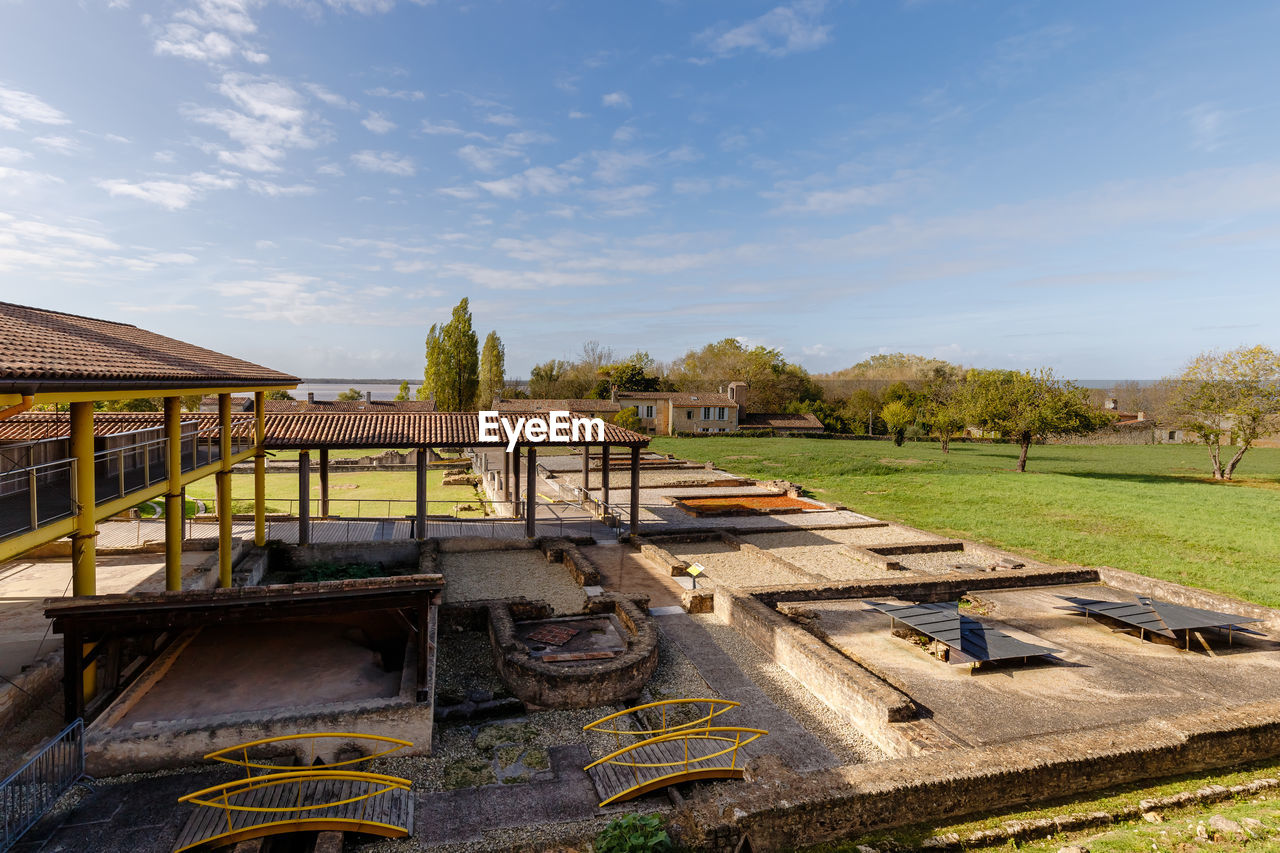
<point>311,396</point>
<point>1111,404</point>
<point>1142,416</point>
<point>368,396</point>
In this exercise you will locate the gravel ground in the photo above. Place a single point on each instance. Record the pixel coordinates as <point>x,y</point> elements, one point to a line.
<point>681,520</point>
<point>940,563</point>
<point>728,565</point>
<point>621,479</point>
<point>818,551</point>
<point>510,574</point>
<point>790,695</point>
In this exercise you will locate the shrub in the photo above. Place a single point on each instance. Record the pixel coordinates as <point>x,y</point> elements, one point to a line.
<point>634,834</point>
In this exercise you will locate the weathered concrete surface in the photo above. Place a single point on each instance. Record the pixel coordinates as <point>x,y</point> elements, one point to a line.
<point>1100,677</point>
<point>624,570</point>
<point>787,738</point>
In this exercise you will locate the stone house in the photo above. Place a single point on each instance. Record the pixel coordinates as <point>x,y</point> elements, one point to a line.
<point>672,412</point>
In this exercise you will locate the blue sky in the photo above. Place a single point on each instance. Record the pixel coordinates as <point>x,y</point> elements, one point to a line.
<point>311,183</point>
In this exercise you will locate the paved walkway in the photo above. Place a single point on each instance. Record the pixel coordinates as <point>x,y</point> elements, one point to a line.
<point>787,738</point>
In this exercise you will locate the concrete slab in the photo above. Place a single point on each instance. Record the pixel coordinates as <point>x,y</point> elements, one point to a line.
<point>623,569</point>
<point>1101,678</point>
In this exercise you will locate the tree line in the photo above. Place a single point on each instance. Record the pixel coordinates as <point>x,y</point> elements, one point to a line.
<point>1222,398</point>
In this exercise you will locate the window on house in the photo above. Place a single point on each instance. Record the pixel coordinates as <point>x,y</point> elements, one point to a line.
<point>1173,436</point>
<point>720,413</point>
<point>706,413</point>
<point>688,415</point>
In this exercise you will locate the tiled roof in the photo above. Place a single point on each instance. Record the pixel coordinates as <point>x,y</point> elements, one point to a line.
<point>677,398</point>
<point>48,351</point>
<point>284,406</point>
<point>780,420</point>
<point>547,405</point>
<point>309,429</point>
<point>378,430</point>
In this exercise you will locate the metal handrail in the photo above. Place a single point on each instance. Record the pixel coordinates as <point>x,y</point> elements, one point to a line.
<point>688,767</point>
<point>29,481</point>
<point>712,712</point>
<point>28,792</point>
<point>227,756</point>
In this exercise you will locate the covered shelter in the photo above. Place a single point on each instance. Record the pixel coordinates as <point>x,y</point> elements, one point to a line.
<point>326,431</point>
<point>63,471</point>
<point>1161,618</point>
<point>966,640</point>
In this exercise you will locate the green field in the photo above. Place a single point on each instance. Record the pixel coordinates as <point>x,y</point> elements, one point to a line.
<point>1149,509</point>
<point>372,488</point>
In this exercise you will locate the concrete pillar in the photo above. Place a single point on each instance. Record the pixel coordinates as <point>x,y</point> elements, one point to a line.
<point>223,485</point>
<point>173,504</point>
<point>304,497</point>
<point>586,468</point>
<point>420,483</point>
<point>531,496</point>
<point>635,490</point>
<point>260,469</point>
<point>506,478</point>
<point>515,482</point>
<point>604,476</point>
<point>324,482</point>
<point>84,574</point>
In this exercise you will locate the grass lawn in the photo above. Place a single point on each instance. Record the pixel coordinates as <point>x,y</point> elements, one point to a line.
<point>372,488</point>
<point>1149,509</point>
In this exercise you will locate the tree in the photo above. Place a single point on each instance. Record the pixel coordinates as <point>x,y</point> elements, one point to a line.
<point>629,375</point>
<point>628,419</point>
<point>1235,394</point>
<point>278,394</point>
<point>545,380</point>
<point>772,381</point>
<point>138,404</point>
<point>453,362</point>
<point>941,400</point>
<point>1023,406</point>
<point>493,366</point>
<point>403,392</point>
<point>192,402</point>
<point>350,395</point>
<point>861,408</point>
<point>897,416</point>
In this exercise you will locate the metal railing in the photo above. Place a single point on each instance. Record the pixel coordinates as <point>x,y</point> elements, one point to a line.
<point>33,497</point>
<point>30,791</point>
<point>122,471</point>
<point>202,447</point>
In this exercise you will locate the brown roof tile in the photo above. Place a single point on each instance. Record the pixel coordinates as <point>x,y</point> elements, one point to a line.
<point>677,398</point>
<point>49,351</point>
<point>548,405</point>
<point>780,420</point>
<point>296,406</point>
<point>416,429</point>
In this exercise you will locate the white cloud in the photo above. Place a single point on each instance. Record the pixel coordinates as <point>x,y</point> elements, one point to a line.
<point>779,32</point>
<point>501,279</point>
<point>384,161</point>
<point>1208,125</point>
<point>463,193</point>
<point>620,100</point>
<point>529,137</point>
<point>441,128</point>
<point>265,244</point>
<point>540,180</point>
<point>271,119</point>
<point>211,31</point>
<point>13,155</point>
<point>333,99</point>
<point>575,114</point>
<point>502,119</point>
<point>17,106</point>
<point>59,144</point>
<point>274,190</point>
<point>331,169</point>
<point>171,193</point>
<point>487,159</point>
<point>401,94</point>
<point>623,201</point>
<point>379,123</point>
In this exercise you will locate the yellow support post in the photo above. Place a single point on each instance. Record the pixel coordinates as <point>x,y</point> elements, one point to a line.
<point>84,573</point>
<point>223,485</point>
<point>174,511</point>
<point>259,469</point>
<point>84,579</point>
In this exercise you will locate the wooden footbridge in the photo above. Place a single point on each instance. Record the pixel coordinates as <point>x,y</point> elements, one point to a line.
<point>669,752</point>
<point>309,796</point>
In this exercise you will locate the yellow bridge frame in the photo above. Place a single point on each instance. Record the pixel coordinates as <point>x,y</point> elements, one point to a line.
<point>283,799</point>
<point>671,754</point>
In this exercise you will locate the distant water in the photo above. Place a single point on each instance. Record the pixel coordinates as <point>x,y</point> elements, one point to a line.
<point>331,390</point>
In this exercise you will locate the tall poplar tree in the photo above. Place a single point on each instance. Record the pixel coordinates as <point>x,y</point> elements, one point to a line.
<point>453,362</point>
<point>493,365</point>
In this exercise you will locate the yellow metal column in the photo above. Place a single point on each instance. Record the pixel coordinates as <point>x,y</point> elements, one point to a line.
<point>84,577</point>
<point>173,502</point>
<point>223,483</point>
<point>259,470</point>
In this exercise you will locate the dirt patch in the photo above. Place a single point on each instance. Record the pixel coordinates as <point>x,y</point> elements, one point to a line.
<point>745,505</point>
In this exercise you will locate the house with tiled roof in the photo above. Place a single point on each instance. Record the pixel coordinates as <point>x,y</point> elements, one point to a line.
<point>672,412</point>
<point>781,422</point>
<point>595,408</point>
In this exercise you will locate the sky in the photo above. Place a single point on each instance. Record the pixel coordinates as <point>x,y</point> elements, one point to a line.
<point>310,184</point>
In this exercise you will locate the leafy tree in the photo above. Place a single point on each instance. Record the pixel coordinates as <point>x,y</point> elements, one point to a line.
<point>453,362</point>
<point>628,419</point>
<point>833,419</point>
<point>493,366</point>
<point>897,416</point>
<point>861,408</point>
<point>278,394</point>
<point>941,400</point>
<point>545,380</point>
<point>633,374</point>
<point>192,402</point>
<point>1235,394</point>
<point>403,392</point>
<point>771,380</point>
<point>350,395</point>
<point>138,404</point>
<point>1024,406</point>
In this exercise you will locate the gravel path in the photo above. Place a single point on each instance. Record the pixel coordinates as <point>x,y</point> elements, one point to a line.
<point>621,479</point>
<point>510,574</point>
<point>940,563</point>
<point>818,551</point>
<point>790,695</point>
<point>728,565</point>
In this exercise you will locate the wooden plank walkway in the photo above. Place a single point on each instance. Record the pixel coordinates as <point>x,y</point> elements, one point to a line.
<point>389,814</point>
<point>612,778</point>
